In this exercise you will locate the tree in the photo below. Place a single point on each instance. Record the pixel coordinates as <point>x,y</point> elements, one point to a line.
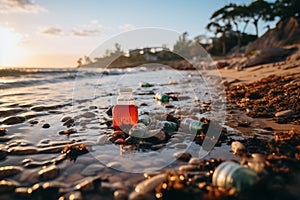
<point>182,46</point>
<point>284,9</point>
<point>258,10</point>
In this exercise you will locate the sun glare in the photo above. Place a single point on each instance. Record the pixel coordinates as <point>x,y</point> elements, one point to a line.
<point>10,51</point>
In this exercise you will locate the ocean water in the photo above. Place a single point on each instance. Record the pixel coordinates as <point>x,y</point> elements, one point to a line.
<point>48,95</point>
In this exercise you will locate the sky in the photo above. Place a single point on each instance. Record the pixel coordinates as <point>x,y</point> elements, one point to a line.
<point>55,33</point>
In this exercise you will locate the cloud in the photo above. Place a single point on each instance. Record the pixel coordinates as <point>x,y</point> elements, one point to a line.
<point>127,27</point>
<point>52,31</point>
<point>20,6</point>
<point>85,32</point>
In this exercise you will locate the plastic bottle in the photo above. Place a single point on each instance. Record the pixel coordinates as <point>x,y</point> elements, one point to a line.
<point>162,97</point>
<point>191,125</point>
<point>145,119</point>
<point>125,113</point>
<point>230,174</point>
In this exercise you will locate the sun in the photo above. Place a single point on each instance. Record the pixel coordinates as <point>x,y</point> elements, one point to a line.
<point>10,51</point>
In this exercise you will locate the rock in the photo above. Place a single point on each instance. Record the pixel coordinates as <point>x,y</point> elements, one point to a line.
<point>89,184</point>
<point>8,186</point>
<point>237,148</point>
<point>150,184</point>
<point>102,139</point>
<point>3,154</point>
<point>67,132</point>
<point>186,168</point>
<point>22,150</point>
<point>194,161</point>
<point>92,169</point>
<point>182,156</point>
<point>3,131</point>
<point>180,146</point>
<point>33,121</point>
<point>76,195</point>
<point>13,120</point>
<point>257,162</point>
<point>88,115</point>
<point>46,125</point>
<point>69,122</point>
<point>66,118</point>
<point>48,173</point>
<point>114,165</point>
<point>7,171</point>
<point>120,195</point>
<point>285,113</point>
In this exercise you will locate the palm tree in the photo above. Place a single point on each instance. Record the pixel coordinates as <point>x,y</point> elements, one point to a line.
<point>217,28</point>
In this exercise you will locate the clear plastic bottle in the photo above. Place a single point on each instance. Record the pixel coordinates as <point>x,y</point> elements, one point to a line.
<point>125,113</point>
<point>191,125</point>
<point>229,174</point>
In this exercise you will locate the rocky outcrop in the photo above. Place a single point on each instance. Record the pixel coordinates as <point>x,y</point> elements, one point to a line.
<point>285,33</point>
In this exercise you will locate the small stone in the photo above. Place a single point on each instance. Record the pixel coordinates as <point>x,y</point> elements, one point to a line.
<point>67,132</point>
<point>33,121</point>
<point>285,113</point>
<point>88,115</point>
<point>182,156</point>
<point>180,146</point>
<point>66,118</point>
<point>46,125</point>
<point>237,148</point>
<point>13,120</point>
<point>69,122</point>
<point>7,171</point>
<point>185,168</point>
<point>8,186</point>
<point>257,162</point>
<point>48,173</point>
<point>120,195</point>
<point>114,165</point>
<point>22,150</point>
<point>76,195</point>
<point>150,184</point>
<point>3,131</point>
<point>88,184</point>
<point>194,161</point>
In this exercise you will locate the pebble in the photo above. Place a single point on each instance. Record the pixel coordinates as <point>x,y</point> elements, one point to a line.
<point>102,139</point>
<point>92,169</point>
<point>182,156</point>
<point>69,122</point>
<point>76,195</point>
<point>8,186</point>
<point>13,120</point>
<point>48,173</point>
<point>33,121</point>
<point>257,162</point>
<point>237,147</point>
<point>88,184</point>
<point>150,184</point>
<point>180,146</point>
<point>46,125</point>
<point>66,118</point>
<point>285,113</point>
<point>185,168</point>
<point>194,161</point>
<point>120,195</point>
<point>3,131</point>
<point>22,150</point>
<point>88,115</point>
<point>7,171</point>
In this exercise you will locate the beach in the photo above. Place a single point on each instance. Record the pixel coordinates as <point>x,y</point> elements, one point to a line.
<point>57,141</point>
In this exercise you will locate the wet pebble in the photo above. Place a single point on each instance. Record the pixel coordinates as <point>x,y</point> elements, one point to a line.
<point>186,168</point>
<point>180,146</point>
<point>150,184</point>
<point>7,171</point>
<point>237,147</point>
<point>13,120</point>
<point>92,169</point>
<point>46,125</point>
<point>33,121</point>
<point>67,132</point>
<point>22,150</point>
<point>88,184</point>
<point>3,131</point>
<point>120,195</point>
<point>285,113</point>
<point>48,173</point>
<point>88,115</point>
<point>69,122</point>
<point>182,156</point>
<point>66,118</point>
<point>76,195</point>
<point>194,161</point>
<point>8,186</point>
